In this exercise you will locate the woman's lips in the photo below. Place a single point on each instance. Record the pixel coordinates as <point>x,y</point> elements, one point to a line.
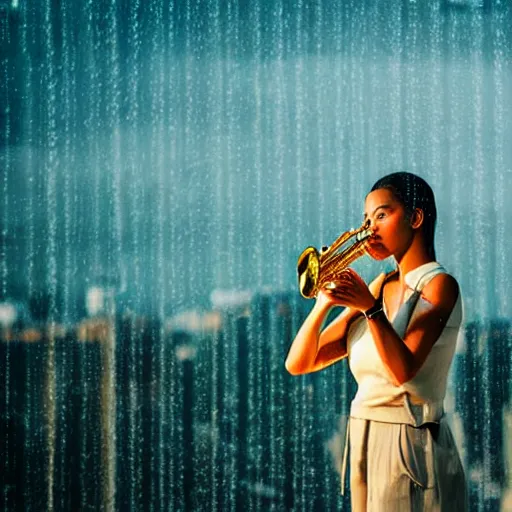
<point>376,249</point>
<point>375,245</point>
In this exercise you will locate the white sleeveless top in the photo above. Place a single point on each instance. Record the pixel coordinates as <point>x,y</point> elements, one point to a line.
<point>427,389</point>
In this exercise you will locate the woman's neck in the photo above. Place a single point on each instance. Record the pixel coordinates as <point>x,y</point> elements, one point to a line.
<point>413,258</point>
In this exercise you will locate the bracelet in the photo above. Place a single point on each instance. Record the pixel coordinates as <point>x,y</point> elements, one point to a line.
<point>374,310</point>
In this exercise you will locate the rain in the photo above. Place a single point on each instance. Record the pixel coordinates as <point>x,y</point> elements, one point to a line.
<point>163,164</point>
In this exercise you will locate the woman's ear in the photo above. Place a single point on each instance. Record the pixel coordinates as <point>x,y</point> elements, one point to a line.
<point>417,218</point>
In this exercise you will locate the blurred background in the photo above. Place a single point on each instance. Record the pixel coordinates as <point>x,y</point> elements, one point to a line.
<point>162,166</point>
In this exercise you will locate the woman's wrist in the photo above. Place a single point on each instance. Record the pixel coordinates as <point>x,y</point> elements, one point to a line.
<point>322,308</point>
<point>374,310</point>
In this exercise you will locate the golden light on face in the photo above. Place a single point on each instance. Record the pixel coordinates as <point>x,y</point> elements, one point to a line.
<point>387,219</point>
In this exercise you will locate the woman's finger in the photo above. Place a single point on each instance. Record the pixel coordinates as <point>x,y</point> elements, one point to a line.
<point>350,277</point>
<point>339,289</point>
<point>353,275</point>
<point>342,295</point>
<point>346,274</point>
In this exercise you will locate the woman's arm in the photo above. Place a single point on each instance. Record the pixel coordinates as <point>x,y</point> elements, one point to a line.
<point>302,354</point>
<point>313,350</point>
<point>404,358</point>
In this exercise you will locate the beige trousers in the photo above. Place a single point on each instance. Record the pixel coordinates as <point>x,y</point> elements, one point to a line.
<point>395,467</point>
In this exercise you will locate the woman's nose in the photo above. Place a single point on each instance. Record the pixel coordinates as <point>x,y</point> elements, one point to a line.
<point>370,225</point>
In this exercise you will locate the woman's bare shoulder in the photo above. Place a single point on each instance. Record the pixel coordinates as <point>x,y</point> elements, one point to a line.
<point>442,291</point>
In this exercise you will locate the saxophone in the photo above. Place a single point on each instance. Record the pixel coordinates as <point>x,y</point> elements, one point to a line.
<point>317,270</point>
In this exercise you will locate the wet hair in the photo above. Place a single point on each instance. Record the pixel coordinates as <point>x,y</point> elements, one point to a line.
<point>413,192</point>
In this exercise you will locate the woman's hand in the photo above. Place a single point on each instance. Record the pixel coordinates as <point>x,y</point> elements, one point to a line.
<point>350,291</point>
<point>326,299</point>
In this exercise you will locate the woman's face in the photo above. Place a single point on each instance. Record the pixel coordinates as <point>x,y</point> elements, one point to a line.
<point>392,232</point>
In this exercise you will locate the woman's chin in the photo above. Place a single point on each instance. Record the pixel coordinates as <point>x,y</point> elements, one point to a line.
<point>377,252</point>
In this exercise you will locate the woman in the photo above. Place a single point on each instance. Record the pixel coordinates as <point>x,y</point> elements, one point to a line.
<point>399,335</point>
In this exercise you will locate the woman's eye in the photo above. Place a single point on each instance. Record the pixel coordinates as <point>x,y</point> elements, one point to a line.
<point>381,215</point>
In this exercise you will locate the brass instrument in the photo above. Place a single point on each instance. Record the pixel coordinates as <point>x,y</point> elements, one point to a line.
<point>318,269</point>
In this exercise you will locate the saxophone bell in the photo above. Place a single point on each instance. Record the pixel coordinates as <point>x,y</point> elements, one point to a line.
<point>317,270</point>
